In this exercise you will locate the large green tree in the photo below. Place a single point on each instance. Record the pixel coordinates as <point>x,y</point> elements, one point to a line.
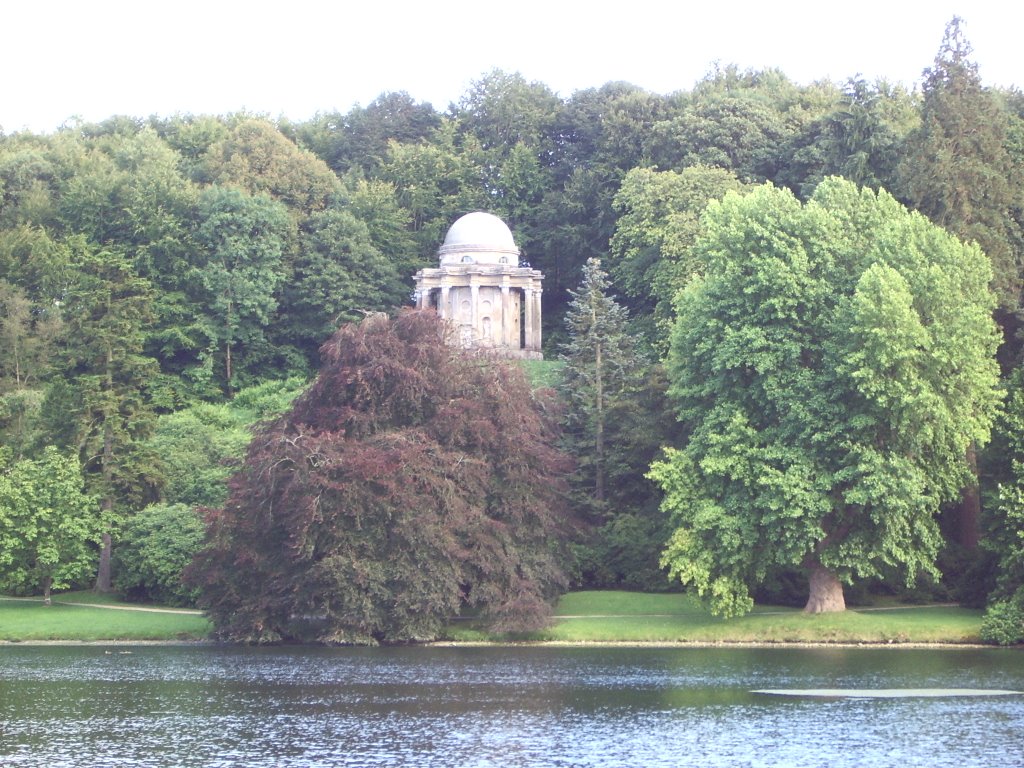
<point>831,368</point>
<point>49,526</point>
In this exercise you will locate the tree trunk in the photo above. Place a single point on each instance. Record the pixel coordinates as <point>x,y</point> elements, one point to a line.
<point>227,369</point>
<point>103,574</point>
<point>969,513</point>
<point>47,583</point>
<point>826,591</point>
<point>599,429</point>
<point>227,350</point>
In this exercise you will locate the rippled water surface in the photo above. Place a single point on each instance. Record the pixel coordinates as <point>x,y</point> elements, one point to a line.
<point>508,707</point>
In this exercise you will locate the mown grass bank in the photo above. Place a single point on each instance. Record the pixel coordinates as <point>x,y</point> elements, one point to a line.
<point>627,617</point>
<point>582,617</point>
<point>104,618</point>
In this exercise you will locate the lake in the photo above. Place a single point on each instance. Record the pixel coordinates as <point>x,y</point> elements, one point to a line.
<point>160,706</point>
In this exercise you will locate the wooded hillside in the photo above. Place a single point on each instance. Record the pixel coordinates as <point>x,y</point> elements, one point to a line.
<point>154,268</point>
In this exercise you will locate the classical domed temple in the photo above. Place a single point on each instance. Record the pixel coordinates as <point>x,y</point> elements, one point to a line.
<point>490,300</point>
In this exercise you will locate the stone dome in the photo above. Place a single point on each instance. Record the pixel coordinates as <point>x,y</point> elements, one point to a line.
<point>479,238</point>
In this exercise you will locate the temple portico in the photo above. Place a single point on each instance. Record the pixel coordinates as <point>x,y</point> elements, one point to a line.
<point>490,301</point>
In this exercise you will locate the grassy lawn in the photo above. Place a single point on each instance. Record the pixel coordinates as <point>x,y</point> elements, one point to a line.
<point>580,617</point>
<point>542,373</point>
<point>632,617</point>
<point>22,620</point>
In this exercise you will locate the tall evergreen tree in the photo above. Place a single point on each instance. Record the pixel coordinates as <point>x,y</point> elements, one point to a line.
<point>601,367</point>
<point>958,172</point>
<point>100,405</point>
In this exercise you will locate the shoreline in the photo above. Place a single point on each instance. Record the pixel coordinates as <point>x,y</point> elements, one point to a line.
<point>696,644</point>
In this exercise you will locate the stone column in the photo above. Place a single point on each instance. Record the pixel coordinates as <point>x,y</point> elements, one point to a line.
<point>474,313</point>
<point>421,298</point>
<point>528,320</point>
<point>442,308</point>
<point>536,319</point>
<point>506,318</point>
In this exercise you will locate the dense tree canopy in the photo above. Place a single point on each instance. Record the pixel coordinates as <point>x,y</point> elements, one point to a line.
<point>652,254</point>
<point>410,481</point>
<point>831,366</point>
<point>231,246</point>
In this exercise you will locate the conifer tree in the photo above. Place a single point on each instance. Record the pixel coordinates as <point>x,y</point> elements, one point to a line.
<point>959,173</point>
<point>601,366</point>
<point>100,406</point>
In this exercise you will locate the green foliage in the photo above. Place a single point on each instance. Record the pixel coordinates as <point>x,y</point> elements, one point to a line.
<point>339,277</point>
<point>244,239</point>
<point>154,547</point>
<point>957,169</point>
<point>198,449</point>
<point>542,373</point>
<point>831,367</point>
<point>738,121</point>
<point>201,446</point>
<point>652,251</point>
<point>267,399</point>
<point>359,139</point>
<point>258,158</point>
<point>623,553</point>
<point>48,525</point>
<point>410,480</point>
<point>1003,623</point>
<point>861,138</point>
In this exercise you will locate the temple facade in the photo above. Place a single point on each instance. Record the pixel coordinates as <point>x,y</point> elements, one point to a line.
<point>489,300</point>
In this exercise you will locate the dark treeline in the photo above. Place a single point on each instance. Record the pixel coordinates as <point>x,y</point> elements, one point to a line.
<point>154,270</point>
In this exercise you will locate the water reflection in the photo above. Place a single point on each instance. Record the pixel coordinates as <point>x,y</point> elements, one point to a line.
<point>503,707</point>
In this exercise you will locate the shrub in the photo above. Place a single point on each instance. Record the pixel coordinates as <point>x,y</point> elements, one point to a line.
<point>1003,623</point>
<point>155,545</point>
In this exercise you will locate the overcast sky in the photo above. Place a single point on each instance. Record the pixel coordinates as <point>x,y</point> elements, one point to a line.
<point>63,59</point>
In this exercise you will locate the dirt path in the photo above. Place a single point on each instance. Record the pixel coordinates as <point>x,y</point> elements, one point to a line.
<point>755,613</point>
<point>183,611</point>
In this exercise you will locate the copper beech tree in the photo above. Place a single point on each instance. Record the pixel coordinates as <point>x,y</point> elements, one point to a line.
<point>411,481</point>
